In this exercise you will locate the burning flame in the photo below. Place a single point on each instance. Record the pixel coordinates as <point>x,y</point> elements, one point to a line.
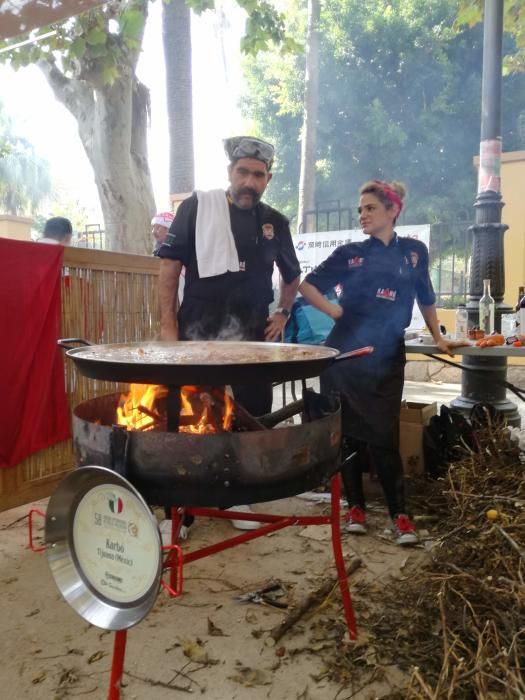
<point>136,409</point>
<point>139,409</point>
<point>204,423</point>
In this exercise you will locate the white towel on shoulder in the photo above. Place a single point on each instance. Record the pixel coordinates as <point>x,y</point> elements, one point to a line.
<point>214,243</point>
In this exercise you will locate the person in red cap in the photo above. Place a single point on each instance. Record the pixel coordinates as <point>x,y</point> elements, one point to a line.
<point>380,280</point>
<point>160,225</point>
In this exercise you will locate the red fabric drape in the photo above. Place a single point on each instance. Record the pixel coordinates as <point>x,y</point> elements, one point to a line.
<point>33,404</point>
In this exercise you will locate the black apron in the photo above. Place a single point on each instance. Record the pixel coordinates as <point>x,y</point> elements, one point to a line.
<point>371,386</point>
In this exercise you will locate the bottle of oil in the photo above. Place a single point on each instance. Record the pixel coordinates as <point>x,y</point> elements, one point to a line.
<point>520,316</point>
<point>461,322</point>
<point>521,294</point>
<point>487,309</point>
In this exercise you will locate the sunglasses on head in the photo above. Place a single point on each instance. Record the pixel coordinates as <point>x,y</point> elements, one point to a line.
<point>247,147</point>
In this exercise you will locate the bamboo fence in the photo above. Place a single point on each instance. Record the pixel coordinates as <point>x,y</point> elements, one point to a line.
<point>106,298</point>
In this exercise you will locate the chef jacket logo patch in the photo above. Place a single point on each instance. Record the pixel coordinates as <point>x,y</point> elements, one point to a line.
<point>268,232</point>
<point>414,258</point>
<point>356,261</point>
<point>385,293</point>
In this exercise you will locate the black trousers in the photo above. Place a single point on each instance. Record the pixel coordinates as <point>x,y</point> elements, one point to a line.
<point>388,467</point>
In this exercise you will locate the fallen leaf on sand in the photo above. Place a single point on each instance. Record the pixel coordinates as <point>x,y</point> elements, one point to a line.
<point>68,677</point>
<point>321,533</point>
<point>96,657</point>
<point>251,676</point>
<point>38,679</point>
<point>215,631</point>
<point>196,652</point>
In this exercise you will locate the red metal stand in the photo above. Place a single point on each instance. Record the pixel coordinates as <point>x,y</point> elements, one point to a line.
<point>117,665</point>
<point>176,558</point>
<point>30,523</point>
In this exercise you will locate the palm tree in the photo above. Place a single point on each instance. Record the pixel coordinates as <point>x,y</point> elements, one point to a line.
<point>176,34</point>
<point>310,114</point>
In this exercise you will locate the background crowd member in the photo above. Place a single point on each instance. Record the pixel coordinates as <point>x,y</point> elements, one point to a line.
<point>57,230</point>
<point>160,225</point>
<point>380,279</point>
<point>229,242</point>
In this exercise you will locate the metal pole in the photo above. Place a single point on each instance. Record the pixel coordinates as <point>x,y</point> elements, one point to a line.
<point>487,248</point>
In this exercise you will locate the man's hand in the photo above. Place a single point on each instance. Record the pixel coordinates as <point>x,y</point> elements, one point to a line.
<point>447,346</point>
<point>274,327</point>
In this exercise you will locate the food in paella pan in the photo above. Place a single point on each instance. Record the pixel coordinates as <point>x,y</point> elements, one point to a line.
<point>204,353</point>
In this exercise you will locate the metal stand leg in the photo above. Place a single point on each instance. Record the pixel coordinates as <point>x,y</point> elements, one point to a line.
<point>335,490</point>
<point>177,518</point>
<point>117,665</point>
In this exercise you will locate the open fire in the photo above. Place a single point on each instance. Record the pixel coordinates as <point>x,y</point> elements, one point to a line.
<point>203,410</point>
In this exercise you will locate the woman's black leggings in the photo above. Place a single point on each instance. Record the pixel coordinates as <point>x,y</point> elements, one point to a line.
<point>389,470</point>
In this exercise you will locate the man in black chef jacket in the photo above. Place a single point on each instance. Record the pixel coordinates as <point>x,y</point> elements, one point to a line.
<point>229,241</point>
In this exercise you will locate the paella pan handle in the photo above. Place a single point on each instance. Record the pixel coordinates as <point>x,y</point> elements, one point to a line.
<point>67,343</point>
<point>355,353</point>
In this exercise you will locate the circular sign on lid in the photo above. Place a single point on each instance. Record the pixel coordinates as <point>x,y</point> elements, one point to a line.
<point>104,548</point>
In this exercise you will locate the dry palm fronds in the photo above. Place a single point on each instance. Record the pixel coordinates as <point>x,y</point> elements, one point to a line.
<point>456,627</point>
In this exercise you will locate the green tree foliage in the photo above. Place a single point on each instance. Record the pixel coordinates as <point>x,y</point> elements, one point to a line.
<point>399,99</point>
<point>471,12</point>
<point>90,63</point>
<point>24,176</point>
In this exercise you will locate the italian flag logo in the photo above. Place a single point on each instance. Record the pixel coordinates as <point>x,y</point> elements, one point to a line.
<point>115,503</point>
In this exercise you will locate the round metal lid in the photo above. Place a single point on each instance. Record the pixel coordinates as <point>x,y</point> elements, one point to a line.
<point>103,548</point>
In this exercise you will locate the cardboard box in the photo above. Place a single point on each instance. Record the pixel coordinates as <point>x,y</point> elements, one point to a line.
<point>414,416</point>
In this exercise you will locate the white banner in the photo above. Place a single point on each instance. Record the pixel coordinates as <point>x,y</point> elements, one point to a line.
<point>313,248</point>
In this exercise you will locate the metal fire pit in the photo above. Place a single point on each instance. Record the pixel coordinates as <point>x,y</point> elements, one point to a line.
<point>222,469</point>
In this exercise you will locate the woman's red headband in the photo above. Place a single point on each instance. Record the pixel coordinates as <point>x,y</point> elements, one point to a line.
<point>390,194</point>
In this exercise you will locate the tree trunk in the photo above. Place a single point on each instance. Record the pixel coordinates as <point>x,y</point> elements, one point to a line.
<point>310,115</point>
<point>112,123</point>
<point>176,35</point>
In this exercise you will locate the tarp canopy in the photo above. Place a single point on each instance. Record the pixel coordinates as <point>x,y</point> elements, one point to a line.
<point>21,16</point>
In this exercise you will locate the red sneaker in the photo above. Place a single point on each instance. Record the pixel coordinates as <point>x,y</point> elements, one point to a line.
<point>356,521</point>
<point>404,532</point>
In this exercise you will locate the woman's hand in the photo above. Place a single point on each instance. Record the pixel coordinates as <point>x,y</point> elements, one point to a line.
<point>336,311</point>
<point>447,346</point>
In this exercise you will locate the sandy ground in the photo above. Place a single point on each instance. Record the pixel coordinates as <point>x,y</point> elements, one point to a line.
<point>50,653</point>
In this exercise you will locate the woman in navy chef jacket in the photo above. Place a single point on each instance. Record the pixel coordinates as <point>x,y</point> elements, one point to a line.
<point>380,279</point>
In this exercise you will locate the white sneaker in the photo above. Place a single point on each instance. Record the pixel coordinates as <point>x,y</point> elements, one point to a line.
<point>165,532</point>
<point>184,532</point>
<point>243,524</point>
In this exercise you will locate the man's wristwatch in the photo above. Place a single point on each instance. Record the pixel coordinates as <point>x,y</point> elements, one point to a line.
<point>282,311</point>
